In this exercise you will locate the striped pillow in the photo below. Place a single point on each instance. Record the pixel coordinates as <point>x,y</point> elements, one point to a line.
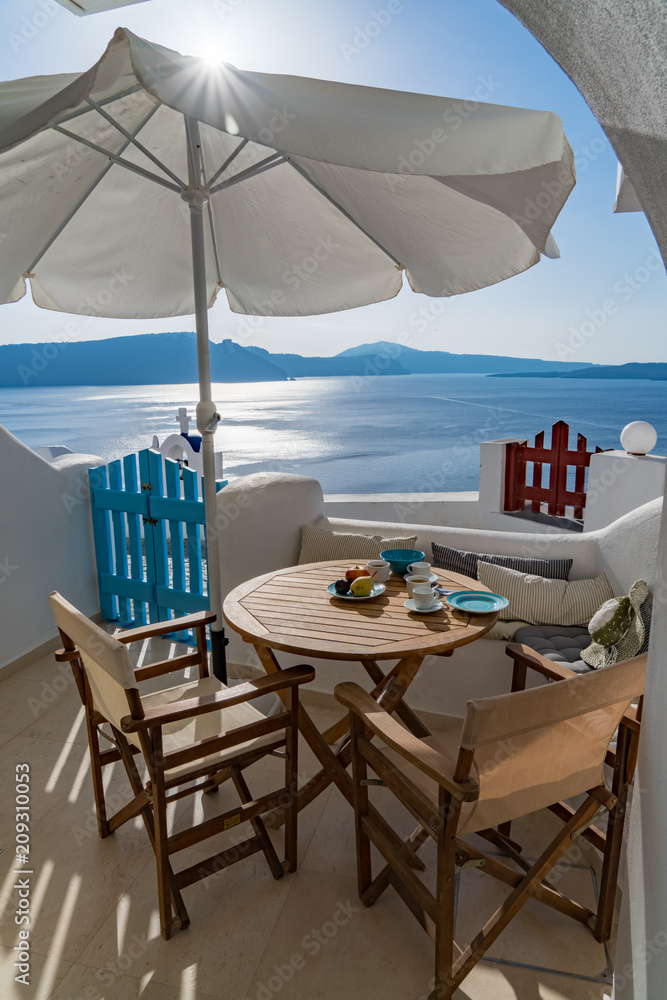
<point>459,561</point>
<point>319,546</point>
<point>541,601</point>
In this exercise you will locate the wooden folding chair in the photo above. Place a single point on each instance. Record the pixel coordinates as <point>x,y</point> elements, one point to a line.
<point>192,737</point>
<point>516,753</point>
<point>621,757</point>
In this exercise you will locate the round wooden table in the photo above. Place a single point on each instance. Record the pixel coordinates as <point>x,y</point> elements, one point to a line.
<point>291,610</point>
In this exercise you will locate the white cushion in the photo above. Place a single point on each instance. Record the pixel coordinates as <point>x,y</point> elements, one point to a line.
<point>319,546</point>
<point>541,601</point>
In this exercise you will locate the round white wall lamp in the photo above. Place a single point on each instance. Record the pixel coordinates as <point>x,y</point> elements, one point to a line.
<point>639,437</point>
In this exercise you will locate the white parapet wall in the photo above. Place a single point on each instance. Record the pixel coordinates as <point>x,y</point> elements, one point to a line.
<point>459,510</point>
<point>45,543</point>
<point>618,482</point>
<point>482,509</point>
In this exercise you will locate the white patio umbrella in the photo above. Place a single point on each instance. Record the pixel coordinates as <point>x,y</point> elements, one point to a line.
<point>142,187</point>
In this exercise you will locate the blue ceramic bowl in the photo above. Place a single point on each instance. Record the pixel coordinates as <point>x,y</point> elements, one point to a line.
<point>400,559</point>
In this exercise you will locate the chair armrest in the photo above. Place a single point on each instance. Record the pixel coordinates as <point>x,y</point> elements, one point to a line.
<point>170,666</point>
<point>66,655</point>
<point>410,747</point>
<point>163,628</point>
<point>527,657</point>
<point>191,707</point>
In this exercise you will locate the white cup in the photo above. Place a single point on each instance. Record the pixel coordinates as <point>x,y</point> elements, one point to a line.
<point>416,581</point>
<point>423,597</point>
<point>379,570</point>
<point>420,569</point>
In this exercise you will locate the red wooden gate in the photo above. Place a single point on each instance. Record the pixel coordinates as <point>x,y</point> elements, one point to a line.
<point>557,496</point>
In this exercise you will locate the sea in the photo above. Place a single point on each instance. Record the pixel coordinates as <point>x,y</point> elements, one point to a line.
<point>405,433</point>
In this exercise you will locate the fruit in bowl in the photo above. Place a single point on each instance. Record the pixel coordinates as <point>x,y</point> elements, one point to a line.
<point>362,586</point>
<point>356,571</point>
<point>342,586</point>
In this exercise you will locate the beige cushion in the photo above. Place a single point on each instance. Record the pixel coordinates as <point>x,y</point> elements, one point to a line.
<point>181,734</point>
<point>541,601</point>
<point>319,546</point>
<point>505,630</point>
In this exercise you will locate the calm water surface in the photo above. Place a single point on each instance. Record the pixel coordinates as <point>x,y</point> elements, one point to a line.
<point>390,434</point>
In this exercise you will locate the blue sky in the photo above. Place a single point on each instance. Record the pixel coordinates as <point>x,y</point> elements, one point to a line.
<point>603,301</point>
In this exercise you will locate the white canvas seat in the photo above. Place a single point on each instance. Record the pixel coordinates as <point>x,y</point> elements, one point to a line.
<point>197,735</point>
<point>176,735</point>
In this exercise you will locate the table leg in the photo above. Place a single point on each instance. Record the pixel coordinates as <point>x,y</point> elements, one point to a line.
<point>415,725</point>
<point>389,693</point>
<point>333,766</point>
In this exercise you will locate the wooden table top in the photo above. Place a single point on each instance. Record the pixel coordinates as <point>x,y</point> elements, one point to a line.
<point>291,610</point>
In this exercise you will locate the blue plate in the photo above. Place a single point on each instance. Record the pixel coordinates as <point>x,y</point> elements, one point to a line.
<point>378,588</point>
<point>476,602</point>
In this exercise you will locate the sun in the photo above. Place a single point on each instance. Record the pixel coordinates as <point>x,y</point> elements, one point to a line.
<point>210,53</point>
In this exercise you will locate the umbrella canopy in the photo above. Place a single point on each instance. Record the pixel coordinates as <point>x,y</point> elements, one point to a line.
<point>142,187</point>
<point>320,194</point>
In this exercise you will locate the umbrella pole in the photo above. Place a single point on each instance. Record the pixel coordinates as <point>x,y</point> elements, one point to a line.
<point>207,415</point>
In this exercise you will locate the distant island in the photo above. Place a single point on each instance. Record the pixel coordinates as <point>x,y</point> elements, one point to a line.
<point>147,359</point>
<point>298,366</point>
<point>443,363</point>
<point>171,358</point>
<point>654,370</point>
<point>387,358</point>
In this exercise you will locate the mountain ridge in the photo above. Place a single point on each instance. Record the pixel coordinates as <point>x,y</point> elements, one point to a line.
<point>654,370</point>
<point>300,366</point>
<point>171,358</point>
<point>141,359</point>
<point>445,362</point>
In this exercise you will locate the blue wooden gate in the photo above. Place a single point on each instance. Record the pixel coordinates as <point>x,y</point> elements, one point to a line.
<point>148,525</point>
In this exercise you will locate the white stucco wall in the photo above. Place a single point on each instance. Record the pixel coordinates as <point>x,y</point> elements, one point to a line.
<point>618,482</point>
<point>45,543</point>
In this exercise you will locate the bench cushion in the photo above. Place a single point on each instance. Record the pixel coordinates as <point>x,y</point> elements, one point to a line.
<point>558,643</point>
<point>319,546</point>
<point>542,601</point>
<point>459,561</point>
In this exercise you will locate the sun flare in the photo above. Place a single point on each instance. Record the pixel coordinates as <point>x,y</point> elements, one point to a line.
<point>210,53</point>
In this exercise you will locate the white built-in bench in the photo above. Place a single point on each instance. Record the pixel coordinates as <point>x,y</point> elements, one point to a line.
<point>261,516</point>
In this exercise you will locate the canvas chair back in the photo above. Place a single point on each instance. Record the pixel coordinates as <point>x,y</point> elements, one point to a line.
<point>106,661</point>
<point>546,744</point>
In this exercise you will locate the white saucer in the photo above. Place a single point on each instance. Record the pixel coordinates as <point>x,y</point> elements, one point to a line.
<point>410,605</point>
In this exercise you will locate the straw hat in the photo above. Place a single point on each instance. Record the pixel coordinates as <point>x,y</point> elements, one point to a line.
<point>617,629</point>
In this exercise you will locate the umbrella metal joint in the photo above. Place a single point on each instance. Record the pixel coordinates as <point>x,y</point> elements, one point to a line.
<point>208,417</point>
<point>195,195</point>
